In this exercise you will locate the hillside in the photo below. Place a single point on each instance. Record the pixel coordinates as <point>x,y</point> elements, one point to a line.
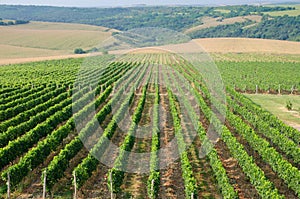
<point>248,45</point>
<point>230,49</point>
<point>224,21</point>
<point>40,39</point>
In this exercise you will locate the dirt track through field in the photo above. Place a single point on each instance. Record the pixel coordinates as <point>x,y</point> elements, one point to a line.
<point>171,184</point>
<point>136,183</point>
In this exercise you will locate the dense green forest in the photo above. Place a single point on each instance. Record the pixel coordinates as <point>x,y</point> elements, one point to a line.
<point>282,28</point>
<point>175,18</point>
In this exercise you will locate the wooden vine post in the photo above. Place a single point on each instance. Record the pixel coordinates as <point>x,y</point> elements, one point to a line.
<point>44,185</point>
<point>152,188</point>
<point>75,185</point>
<point>111,186</point>
<point>8,186</point>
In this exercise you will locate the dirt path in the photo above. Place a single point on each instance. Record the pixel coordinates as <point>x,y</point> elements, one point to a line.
<point>171,184</point>
<point>206,182</point>
<point>36,59</point>
<point>235,173</point>
<point>135,184</point>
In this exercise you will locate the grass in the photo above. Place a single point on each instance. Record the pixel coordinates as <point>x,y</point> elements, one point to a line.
<point>61,26</point>
<point>222,10</point>
<point>295,12</point>
<point>276,104</point>
<point>12,52</point>
<point>47,39</point>
<point>212,22</point>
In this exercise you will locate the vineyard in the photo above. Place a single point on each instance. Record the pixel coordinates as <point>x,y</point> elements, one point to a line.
<point>77,128</point>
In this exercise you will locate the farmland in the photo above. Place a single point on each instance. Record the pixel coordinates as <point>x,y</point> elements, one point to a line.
<point>277,106</point>
<point>47,119</point>
<point>41,39</point>
<point>150,105</point>
<point>295,12</point>
<point>212,22</point>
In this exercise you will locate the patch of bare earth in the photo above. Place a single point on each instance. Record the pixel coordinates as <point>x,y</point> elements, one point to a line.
<point>212,22</point>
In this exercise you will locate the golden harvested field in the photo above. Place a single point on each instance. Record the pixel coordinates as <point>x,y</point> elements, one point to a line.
<point>246,45</point>
<point>39,39</point>
<point>212,22</point>
<point>230,49</point>
<point>40,58</point>
<point>13,52</point>
<point>37,25</point>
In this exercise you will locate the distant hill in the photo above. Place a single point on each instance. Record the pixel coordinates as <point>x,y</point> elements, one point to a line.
<point>271,25</point>
<point>39,39</point>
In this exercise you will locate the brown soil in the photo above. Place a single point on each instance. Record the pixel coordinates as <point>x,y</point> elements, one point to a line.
<point>95,188</point>
<point>289,159</point>
<point>235,173</point>
<point>269,173</point>
<point>171,183</point>
<point>31,185</point>
<point>135,184</point>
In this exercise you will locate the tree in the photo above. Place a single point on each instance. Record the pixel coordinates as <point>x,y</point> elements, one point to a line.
<point>289,105</point>
<point>79,51</point>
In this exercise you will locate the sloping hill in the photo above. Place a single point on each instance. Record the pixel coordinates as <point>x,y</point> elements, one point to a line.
<point>48,39</point>
<point>247,45</point>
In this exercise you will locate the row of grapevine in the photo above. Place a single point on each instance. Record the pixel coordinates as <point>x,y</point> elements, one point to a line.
<point>269,76</point>
<point>117,172</point>
<point>154,176</point>
<point>286,145</point>
<point>89,164</point>
<point>257,178</point>
<point>264,187</point>
<point>17,131</point>
<point>187,173</point>
<point>284,169</point>
<point>36,115</point>
<point>26,115</point>
<point>35,156</point>
<point>60,163</point>
<point>264,115</point>
<point>19,95</point>
<point>23,143</point>
<point>256,175</point>
<point>28,98</point>
<point>26,105</point>
<point>8,91</point>
<point>227,189</point>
